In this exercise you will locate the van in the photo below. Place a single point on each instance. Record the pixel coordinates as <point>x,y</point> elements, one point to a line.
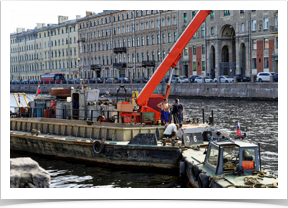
<point>264,76</point>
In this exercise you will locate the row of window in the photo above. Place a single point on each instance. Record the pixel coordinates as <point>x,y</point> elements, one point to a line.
<point>49,33</point>
<point>130,42</point>
<point>105,20</point>
<point>123,58</point>
<point>47,55</point>
<point>266,44</point>
<point>49,65</point>
<point>30,47</point>
<point>266,63</point>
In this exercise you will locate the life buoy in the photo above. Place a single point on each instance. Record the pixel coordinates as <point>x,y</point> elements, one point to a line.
<point>98,147</point>
<point>195,172</point>
<point>203,181</point>
<point>182,170</point>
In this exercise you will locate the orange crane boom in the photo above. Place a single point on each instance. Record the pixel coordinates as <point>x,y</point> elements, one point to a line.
<point>171,59</point>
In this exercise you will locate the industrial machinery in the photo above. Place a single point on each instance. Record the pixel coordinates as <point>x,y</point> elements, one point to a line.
<point>146,100</point>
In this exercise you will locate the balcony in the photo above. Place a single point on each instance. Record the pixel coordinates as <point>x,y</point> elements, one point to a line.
<point>148,63</point>
<point>95,66</point>
<point>119,65</point>
<point>119,50</point>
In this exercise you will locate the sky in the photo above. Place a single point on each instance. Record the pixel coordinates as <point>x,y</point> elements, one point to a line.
<point>25,14</point>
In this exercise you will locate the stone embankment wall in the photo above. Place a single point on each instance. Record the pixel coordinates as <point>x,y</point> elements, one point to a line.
<point>266,90</point>
<point>26,173</point>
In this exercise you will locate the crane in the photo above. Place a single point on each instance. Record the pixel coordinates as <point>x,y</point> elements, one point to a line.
<point>146,100</point>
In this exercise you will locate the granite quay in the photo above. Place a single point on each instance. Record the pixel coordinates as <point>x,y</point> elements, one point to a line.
<point>249,90</point>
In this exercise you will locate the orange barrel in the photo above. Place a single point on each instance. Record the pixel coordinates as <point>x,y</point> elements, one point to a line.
<point>127,119</point>
<point>47,113</point>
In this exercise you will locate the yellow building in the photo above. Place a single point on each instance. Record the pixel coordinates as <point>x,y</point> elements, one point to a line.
<point>45,49</point>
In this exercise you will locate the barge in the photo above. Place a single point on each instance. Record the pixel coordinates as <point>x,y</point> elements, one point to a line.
<point>134,145</point>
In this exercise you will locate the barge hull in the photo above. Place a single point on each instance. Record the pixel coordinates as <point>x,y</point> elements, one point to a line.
<point>127,155</point>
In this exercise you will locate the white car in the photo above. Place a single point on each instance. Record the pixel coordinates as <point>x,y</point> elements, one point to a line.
<point>199,80</point>
<point>264,76</point>
<point>226,79</point>
<point>182,79</point>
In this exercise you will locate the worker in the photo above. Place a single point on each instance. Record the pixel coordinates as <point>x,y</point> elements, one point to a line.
<point>177,112</point>
<point>161,106</point>
<point>171,131</point>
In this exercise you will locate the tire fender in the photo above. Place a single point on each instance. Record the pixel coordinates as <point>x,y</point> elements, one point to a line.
<point>98,147</point>
<point>195,172</point>
<point>203,181</point>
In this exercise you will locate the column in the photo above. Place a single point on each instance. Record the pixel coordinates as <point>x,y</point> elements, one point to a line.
<point>238,54</point>
<point>217,57</point>
<point>247,61</point>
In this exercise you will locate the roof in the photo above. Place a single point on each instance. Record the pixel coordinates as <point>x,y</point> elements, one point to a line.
<point>239,143</point>
<point>99,14</point>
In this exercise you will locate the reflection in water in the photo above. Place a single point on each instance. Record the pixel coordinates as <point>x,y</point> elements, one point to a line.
<point>259,119</point>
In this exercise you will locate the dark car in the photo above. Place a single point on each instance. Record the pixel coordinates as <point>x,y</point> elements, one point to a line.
<point>99,80</point>
<point>192,78</point>
<point>275,77</point>
<point>14,81</point>
<point>18,82</point>
<point>68,81</point>
<point>144,80</point>
<point>125,80</point>
<point>33,81</point>
<point>109,80</point>
<point>241,78</point>
<point>173,78</point>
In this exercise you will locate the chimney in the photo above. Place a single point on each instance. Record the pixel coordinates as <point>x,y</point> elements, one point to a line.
<point>19,30</point>
<point>78,16</point>
<point>89,13</point>
<point>40,25</point>
<point>62,19</point>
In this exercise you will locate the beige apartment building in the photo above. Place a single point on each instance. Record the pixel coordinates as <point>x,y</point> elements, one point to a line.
<point>126,43</point>
<point>45,49</point>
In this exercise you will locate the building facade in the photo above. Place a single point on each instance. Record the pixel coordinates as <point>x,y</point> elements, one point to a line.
<point>45,49</point>
<point>126,43</point>
<point>231,42</point>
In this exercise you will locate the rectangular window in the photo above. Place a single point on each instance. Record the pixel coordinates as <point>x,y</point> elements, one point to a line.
<point>147,40</point>
<point>253,25</point>
<point>169,37</point>
<point>226,12</point>
<point>123,29</point>
<point>194,50</point>
<point>158,39</point>
<point>266,43</point>
<point>163,22</point>
<point>163,38</point>
<point>242,11</point>
<point>266,62</point>
<point>147,25</point>
<point>153,41</point>
<point>202,31</point>
<point>158,23</point>
<point>254,45</point>
<point>174,21</point>
<point>169,22</point>
<point>142,26</point>
<point>184,17</point>
<point>276,25</point>
<point>185,51</point>
<point>203,65</point>
<point>254,64</point>
<point>152,24</point>
<point>203,49</point>
<point>266,23</point>
<point>175,36</point>
<point>213,156</point>
<point>194,66</point>
<point>193,14</point>
<point>127,29</point>
<point>277,42</point>
<point>212,14</point>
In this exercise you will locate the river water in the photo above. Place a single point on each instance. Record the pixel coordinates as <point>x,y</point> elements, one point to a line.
<point>259,119</point>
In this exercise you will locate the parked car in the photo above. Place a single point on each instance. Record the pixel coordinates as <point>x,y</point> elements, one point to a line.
<point>14,81</point>
<point>77,80</point>
<point>182,79</point>
<point>33,81</point>
<point>192,78</point>
<point>109,80</point>
<point>125,80</point>
<point>241,78</point>
<point>199,80</point>
<point>18,82</point>
<point>276,77</point>
<point>68,81</point>
<point>224,79</point>
<point>145,80</point>
<point>264,76</point>
<point>173,80</point>
<point>93,81</point>
<point>24,81</point>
